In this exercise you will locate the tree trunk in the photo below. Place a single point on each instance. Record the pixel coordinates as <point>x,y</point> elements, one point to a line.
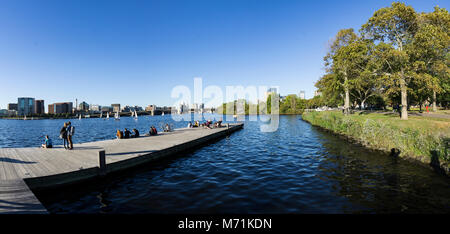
<point>434,101</point>
<point>347,97</point>
<point>347,101</point>
<point>404,112</point>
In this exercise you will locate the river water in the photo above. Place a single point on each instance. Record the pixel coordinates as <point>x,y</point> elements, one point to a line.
<point>297,169</point>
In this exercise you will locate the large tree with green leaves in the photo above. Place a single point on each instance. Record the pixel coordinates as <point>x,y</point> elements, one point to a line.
<point>431,46</point>
<point>339,62</point>
<point>396,25</point>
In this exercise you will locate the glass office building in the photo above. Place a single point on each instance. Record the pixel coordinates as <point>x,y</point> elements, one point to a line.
<point>25,106</point>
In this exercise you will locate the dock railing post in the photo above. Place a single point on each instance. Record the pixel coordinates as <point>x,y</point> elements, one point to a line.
<point>102,162</point>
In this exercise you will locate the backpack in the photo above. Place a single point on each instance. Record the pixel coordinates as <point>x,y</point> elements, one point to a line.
<point>72,130</point>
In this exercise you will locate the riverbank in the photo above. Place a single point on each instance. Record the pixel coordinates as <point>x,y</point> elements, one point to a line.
<point>423,139</point>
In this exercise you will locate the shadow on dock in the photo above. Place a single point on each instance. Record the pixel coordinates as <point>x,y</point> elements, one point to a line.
<point>10,160</point>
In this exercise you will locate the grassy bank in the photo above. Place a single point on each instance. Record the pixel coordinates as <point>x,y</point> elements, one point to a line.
<point>420,138</point>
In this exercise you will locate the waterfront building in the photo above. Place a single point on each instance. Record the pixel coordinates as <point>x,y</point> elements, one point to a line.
<point>39,107</point>
<point>150,108</point>
<point>116,107</point>
<point>83,106</point>
<point>127,109</point>
<point>107,109</point>
<point>4,112</point>
<point>25,106</point>
<point>12,107</point>
<point>183,108</point>
<point>95,108</point>
<point>60,108</point>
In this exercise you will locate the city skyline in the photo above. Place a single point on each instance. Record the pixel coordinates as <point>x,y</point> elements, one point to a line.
<point>135,53</point>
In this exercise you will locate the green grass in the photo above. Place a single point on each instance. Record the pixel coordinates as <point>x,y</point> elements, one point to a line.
<point>418,137</point>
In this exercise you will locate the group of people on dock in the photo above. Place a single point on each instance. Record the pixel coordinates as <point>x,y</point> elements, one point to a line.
<point>127,134</point>
<point>208,124</point>
<point>66,134</point>
<point>67,131</point>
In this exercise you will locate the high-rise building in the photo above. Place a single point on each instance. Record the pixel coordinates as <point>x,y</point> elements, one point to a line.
<point>60,108</point>
<point>25,106</point>
<point>116,107</point>
<point>301,95</point>
<point>12,106</point>
<point>39,107</point>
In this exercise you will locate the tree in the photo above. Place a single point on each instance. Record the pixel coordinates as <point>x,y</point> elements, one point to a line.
<point>331,90</point>
<point>339,62</point>
<point>431,44</point>
<point>397,26</point>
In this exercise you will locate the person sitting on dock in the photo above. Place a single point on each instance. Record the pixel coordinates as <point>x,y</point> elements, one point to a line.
<point>208,124</point>
<point>48,143</point>
<point>167,128</point>
<point>218,124</point>
<point>136,133</point>
<point>190,125</point>
<point>153,131</point>
<point>196,124</point>
<point>119,134</point>
<point>126,134</point>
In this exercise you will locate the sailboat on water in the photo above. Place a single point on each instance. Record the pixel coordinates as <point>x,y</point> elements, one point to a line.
<point>107,115</point>
<point>135,115</point>
<point>117,116</point>
<point>162,113</point>
<point>24,117</point>
<point>101,115</point>
<point>79,116</point>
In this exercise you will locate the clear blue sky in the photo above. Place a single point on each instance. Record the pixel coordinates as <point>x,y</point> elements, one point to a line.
<point>135,52</point>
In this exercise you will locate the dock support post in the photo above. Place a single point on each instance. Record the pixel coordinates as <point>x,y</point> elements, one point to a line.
<point>102,161</point>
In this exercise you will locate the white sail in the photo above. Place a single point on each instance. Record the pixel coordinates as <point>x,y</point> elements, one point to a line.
<point>101,115</point>
<point>135,114</point>
<point>79,117</point>
<point>117,116</point>
<point>24,117</point>
<point>163,113</point>
<point>107,115</point>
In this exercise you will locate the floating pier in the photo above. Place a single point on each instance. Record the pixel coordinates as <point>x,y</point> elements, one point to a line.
<point>25,169</point>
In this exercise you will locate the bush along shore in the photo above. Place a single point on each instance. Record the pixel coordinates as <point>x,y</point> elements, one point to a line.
<point>422,139</point>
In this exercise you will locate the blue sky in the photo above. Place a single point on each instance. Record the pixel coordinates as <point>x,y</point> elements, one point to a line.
<point>135,52</point>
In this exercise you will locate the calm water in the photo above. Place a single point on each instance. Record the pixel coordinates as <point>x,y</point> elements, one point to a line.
<point>298,169</point>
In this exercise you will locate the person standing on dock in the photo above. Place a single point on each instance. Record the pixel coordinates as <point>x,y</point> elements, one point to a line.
<point>63,134</point>
<point>70,133</point>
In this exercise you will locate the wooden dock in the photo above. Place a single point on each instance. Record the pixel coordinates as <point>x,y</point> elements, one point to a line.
<point>45,168</point>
